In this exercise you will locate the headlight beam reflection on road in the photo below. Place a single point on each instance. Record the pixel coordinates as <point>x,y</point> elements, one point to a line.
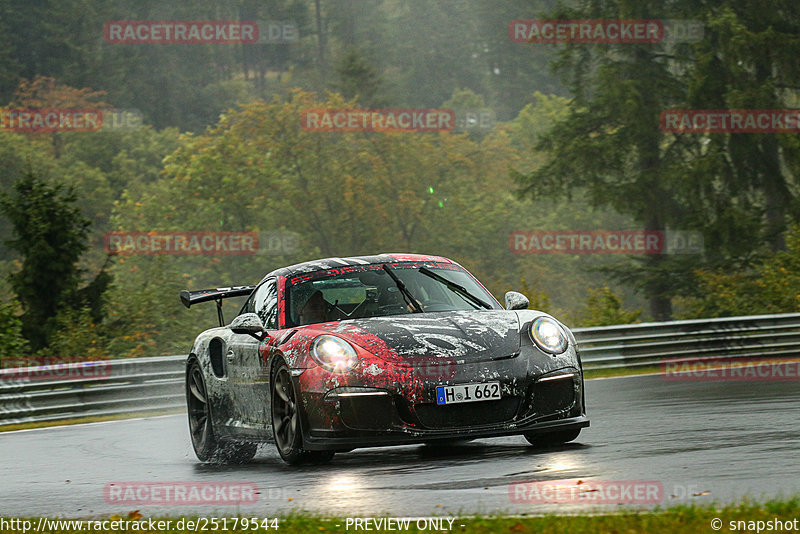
<point>561,462</point>
<point>343,483</point>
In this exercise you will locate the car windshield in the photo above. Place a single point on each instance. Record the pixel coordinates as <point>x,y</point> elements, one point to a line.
<point>370,291</point>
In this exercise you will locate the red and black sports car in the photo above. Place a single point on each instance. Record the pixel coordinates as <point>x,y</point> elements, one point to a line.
<point>335,354</point>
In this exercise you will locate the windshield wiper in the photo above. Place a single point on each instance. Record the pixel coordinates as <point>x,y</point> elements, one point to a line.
<point>407,296</point>
<point>460,290</point>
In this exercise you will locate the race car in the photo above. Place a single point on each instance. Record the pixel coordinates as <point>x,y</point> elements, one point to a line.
<point>335,354</point>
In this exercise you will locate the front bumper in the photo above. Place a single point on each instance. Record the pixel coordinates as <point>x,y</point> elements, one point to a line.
<point>535,399</point>
<point>411,437</point>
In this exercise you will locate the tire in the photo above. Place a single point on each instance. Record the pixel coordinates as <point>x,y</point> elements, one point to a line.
<point>286,423</point>
<point>207,447</point>
<point>552,439</point>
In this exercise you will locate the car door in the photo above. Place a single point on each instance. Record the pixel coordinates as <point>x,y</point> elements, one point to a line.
<point>248,375</point>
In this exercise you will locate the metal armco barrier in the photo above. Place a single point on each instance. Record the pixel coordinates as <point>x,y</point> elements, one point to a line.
<point>155,385</point>
<point>648,344</point>
<point>88,389</point>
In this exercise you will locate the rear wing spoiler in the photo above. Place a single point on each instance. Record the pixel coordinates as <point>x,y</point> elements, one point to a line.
<point>188,298</point>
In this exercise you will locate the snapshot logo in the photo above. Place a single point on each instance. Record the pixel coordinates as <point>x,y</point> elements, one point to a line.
<point>68,120</point>
<point>604,242</point>
<point>730,120</point>
<point>609,31</point>
<point>731,369</point>
<point>180,493</point>
<point>575,491</point>
<point>181,243</point>
<point>378,120</point>
<point>200,32</point>
<point>53,368</point>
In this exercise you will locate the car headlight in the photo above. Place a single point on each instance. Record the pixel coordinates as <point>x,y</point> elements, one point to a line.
<point>334,353</point>
<point>548,335</point>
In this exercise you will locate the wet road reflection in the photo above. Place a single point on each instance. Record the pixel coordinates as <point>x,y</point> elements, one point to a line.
<point>702,442</point>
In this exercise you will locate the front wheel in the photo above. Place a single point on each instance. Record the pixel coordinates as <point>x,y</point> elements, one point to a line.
<point>552,439</point>
<point>286,425</point>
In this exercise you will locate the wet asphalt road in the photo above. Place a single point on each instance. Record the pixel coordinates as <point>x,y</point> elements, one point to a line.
<point>700,441</point>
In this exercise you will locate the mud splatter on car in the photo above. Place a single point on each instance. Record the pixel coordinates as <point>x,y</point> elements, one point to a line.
<point>340,353</point>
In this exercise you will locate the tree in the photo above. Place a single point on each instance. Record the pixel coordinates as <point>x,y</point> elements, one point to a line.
<point>604,308</point>
<point>611,144</point>
<point>50,236</point>
<point>12,342</point>
<point>259,59</point>
<point>10,67</point>
<point>46,92</point>
<point>513,70</point>
<point>744,185</point>
<point>430,49</point>
<point>771,285</point>
<point>356,77</point>
<point>49,38</point>
<point>342,194</point>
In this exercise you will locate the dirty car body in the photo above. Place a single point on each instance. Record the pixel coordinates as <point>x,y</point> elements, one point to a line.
<point>340,353</point>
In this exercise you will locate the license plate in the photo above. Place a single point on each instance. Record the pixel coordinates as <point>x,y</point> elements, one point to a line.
<point>467,393</point>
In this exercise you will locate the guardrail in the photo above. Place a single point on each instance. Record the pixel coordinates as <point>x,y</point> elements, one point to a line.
<point>155,385</point>
<point>90,389</point>
<point>648,344</point>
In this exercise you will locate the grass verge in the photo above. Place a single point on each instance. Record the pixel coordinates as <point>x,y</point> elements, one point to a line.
<point>623,371</point>
<point>82,420</point>
<point>747,516</point>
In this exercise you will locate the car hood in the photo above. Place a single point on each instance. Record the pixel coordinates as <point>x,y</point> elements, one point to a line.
<point>457,336</point>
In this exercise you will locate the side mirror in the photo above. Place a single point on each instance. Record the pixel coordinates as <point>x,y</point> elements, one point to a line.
<point>516,301</point>
<point>249,323</point>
